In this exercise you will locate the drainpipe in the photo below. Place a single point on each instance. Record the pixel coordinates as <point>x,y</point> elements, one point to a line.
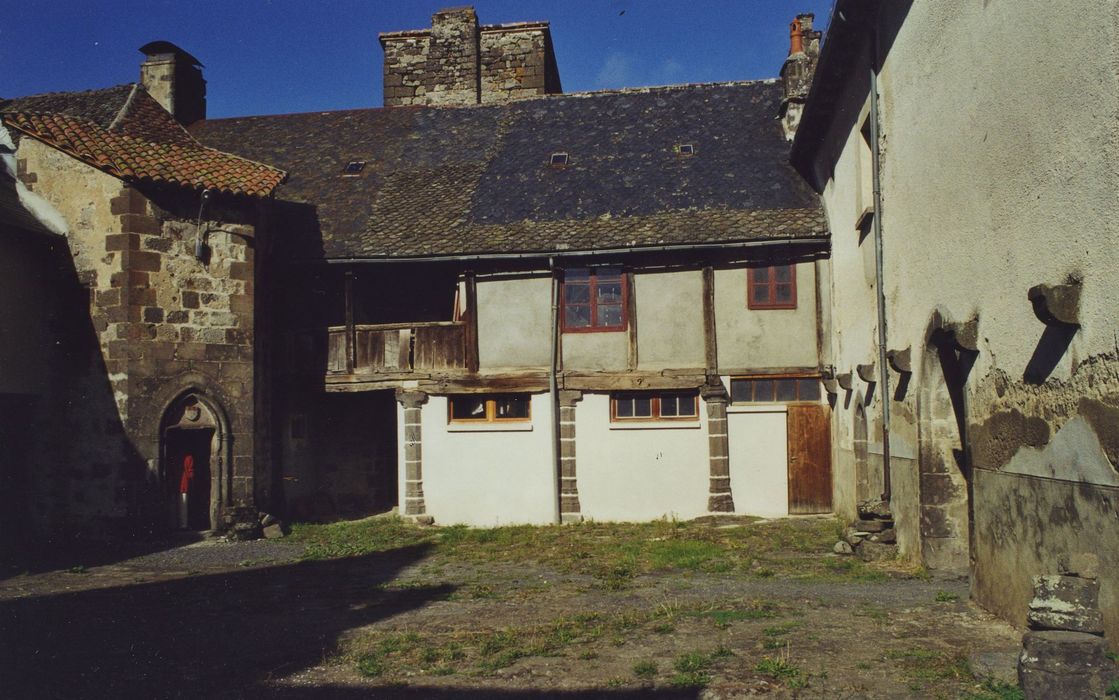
<point>883,369</point>
<point>553,392</point>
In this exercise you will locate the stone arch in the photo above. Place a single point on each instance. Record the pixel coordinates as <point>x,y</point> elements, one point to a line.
<point>864,479</point>
<point>194,412</point>
<point>943,460</point>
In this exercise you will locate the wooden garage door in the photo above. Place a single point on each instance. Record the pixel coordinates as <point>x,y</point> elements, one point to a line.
<point>809,459</point>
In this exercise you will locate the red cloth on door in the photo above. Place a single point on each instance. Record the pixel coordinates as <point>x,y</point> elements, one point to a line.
<point>188,473</point>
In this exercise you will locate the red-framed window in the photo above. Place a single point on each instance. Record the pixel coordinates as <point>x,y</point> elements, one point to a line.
<point>666,405</point>
<point>594,299</point>
<point>489,408</point>
<point>773,287</point>
<point>773,389</point>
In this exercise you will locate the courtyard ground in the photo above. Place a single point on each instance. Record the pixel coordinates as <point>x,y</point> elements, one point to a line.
<point>381,608</point>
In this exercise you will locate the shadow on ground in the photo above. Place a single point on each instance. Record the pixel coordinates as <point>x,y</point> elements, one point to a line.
<point>32,556</point>
<point>344,693</point>
<point>203,636</point>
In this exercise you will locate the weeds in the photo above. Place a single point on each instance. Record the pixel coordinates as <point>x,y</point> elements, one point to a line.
<point>996,690</point>
<point>645,670</point>
<point>946,597</point>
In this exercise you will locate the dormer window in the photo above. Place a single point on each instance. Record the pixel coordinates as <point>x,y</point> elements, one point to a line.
<point>685,149</point>
<point>558,160</point>
<point>353,168</point>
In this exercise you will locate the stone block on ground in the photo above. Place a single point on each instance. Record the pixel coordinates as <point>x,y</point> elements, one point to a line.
<point>854,537</point>
<point>872,525</point>
<point>1061,664</point>
<point>876,551</point>
<point>244,531</point>
<point>887,536</point>
<point>875,509</point>
<point>842,547</point>
<point>1065,603</point>
<point>996,666</point>
<point>274,531</point>
<point>267,519</point>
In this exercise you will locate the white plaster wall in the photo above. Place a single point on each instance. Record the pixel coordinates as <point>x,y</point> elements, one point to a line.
<point>514,322</point>
<point>759,472</point>
<point>485,477</point>
<point>1015,176</point>
<point>639,474</point>
<point>669,319</point>
<point>608,350</point>
<point>757,339</point>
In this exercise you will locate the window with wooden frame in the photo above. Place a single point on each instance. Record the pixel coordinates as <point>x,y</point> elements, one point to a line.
<point>646,406</point>
<point>489,408</point>
<point>773,287</point>
<point>594,299</point>
<point>775,389</point>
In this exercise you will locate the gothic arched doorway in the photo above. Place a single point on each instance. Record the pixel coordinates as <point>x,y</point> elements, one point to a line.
<point>192,464</point>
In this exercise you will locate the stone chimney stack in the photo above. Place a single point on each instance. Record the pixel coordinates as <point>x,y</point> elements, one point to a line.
<point>459,62</point>
<point>174,78</point>
<point>798,70</point>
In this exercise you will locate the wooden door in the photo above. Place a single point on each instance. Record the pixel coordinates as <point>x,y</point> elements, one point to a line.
<point>809,434</point>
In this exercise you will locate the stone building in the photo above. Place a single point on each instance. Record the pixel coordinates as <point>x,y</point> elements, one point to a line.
<point>979,338</point>
<point>146,346</point>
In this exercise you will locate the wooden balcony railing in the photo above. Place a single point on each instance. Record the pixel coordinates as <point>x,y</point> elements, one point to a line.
<point>394,348</point>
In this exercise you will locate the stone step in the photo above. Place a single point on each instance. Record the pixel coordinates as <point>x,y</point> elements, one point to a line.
<point>1060,664</point>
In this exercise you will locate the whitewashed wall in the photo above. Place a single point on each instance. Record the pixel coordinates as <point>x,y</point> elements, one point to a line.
<point>486,475</point>
<point>635,474</point>
<point>764,337</point>
<point>759,472</point>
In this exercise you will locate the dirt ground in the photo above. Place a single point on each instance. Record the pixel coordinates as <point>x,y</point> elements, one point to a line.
<point>221,619</point>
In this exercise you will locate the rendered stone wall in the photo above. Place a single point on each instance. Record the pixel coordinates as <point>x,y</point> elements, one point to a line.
<point>987,200</point>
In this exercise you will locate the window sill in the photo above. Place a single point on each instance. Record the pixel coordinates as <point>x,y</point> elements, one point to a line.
<point>656,425</point>
<point>510,427</point>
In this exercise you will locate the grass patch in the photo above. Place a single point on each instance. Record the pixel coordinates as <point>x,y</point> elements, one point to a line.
<point>613,553</point>
<point>723,617</point>
<point>779,669</point>
<point>946,597</point>
<point>996,690</point>
<point>924,666</point>
<point>645,670</point>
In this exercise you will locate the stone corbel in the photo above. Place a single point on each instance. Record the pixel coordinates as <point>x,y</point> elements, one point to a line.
<point>831,385</point>
<point>1056,304</point>
<point>964,336</point>
<point>867,372</point>
<point>900,361</point>
<point>845,381</point>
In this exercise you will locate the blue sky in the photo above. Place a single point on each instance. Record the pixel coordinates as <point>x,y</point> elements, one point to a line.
<point>278,56</point>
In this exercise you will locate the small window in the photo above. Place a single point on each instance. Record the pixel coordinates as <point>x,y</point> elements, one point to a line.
<point>558,159</point>
<point>685,149</point>
<point>594,300</point>
<point>354,168</point>
<point>674,405</point>
<point>775,390</point>
<point>489,408</point>
<point>773,287</point>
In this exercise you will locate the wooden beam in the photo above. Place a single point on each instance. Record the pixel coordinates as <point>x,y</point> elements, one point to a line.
<point>630,381</point>
<point>471,320</point>
<point>768,371</point>
<point>351,359</point>
<point>710,346</point>
<point>631,316</point>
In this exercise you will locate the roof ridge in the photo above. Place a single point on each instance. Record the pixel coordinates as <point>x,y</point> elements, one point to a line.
<point>124,108</point>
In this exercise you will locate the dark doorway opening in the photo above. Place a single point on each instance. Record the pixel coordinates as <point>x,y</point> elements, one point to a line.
<point>187,473</point>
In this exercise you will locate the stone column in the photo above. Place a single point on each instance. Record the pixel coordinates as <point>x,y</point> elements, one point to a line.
<point>719,497</point>
<point>412,401</point>
<point>570,511</point>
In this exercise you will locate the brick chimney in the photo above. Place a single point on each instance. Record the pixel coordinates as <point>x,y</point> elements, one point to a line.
<point>459,62</point>
<point>174,78</point>
<point>798,70</point>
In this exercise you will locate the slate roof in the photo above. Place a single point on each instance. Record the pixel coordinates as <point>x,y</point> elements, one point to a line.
<point>476,180</point>
<point>123,131</point>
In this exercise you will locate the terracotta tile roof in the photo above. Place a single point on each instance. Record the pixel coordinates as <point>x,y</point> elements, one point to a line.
<point>477,180</point>
<point>139,141</point>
